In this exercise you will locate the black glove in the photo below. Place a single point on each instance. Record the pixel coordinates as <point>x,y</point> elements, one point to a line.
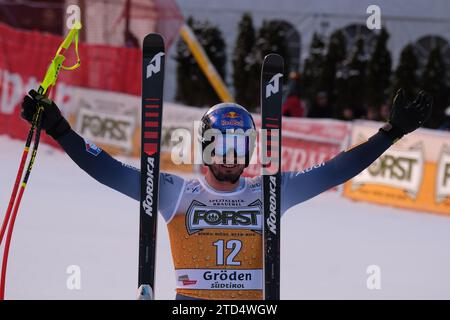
<point>52,120</point>
<point>406,116</point>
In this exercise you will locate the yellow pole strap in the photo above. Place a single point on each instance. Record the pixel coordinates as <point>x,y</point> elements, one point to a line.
<point>57,63</point>
<point>205,64</point>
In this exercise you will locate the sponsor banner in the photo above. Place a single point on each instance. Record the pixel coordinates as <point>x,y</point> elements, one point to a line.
<point>111,120</point>
<point>307,142</point>
<point>24,58</point>
<point>110,129</point>
<point>443,176</point>
<point>219,279</point>
<point>414,173</point>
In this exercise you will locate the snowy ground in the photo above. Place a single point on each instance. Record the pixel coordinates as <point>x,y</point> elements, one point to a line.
<point>67,219</point>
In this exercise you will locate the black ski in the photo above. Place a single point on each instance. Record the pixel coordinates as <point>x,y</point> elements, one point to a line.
<point>152,109</point>
<point>271,101</point>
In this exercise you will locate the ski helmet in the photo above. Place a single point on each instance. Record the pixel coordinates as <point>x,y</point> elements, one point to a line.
<point>236,127</point>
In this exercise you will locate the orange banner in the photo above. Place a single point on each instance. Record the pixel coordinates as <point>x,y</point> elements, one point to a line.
<point>414,173</point>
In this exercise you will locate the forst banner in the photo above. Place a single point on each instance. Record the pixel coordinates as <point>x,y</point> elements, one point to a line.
<point>414,173</point>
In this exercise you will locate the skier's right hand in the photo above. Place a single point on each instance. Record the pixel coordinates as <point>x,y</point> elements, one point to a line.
<point>52,120</point>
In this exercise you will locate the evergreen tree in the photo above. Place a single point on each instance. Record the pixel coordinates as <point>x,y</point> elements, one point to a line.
<point>379,72</point>
<point>336,53</point>
<point>433,81</point>
<point>272,39</point>
<point>313,69</point>
<point>405,76</point>
<point>350,81</point>
<point>193,88</point>
<point>245,66</point>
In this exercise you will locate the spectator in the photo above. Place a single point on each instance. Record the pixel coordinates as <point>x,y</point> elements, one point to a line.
<point>347,114</point>
<point>373,114</point>
<point>293,105</point>
<point>385,112</point>
<point>131,41</point>
<point>321,107</point>
<point>446,124</point>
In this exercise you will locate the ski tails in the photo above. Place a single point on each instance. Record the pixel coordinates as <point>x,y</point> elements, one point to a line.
<point>271,102</point>
<point>151,124</point>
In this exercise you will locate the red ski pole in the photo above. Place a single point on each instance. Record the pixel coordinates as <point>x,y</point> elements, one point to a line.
<point>44,89</point>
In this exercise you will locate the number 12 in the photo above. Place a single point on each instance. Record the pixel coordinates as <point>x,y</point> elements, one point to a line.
<point>234,245</point>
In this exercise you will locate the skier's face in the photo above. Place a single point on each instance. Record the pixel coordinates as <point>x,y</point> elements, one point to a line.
<point>228,159</point>
<point>227,172</point>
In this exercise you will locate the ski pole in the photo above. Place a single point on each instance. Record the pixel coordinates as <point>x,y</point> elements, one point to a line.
<point>44,89</point>
<point>38,118</point>
<point>18,176</point>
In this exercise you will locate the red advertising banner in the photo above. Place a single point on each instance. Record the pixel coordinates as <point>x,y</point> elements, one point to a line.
<point>307,142</point>
<point>24,58</point>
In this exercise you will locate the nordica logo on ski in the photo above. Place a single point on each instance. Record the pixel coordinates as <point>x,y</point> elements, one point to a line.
<point>148,201</point>
<point>155,64</point>
<point>272,219</point>
<point>200,216</point>
<point>274,85</point>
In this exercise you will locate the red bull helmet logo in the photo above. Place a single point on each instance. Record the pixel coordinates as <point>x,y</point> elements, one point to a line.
<point>232,118</point>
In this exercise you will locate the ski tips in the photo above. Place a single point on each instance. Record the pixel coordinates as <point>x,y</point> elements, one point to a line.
<point>152,40</point>
<point>273,56</point>
<point>273,64</point>
<point>273,59</point>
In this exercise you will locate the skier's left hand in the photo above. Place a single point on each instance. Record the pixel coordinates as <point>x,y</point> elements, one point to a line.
<point>406,116</point>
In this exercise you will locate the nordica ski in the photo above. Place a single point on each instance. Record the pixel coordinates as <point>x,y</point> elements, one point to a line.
<point>152,110</point>
<point>271,101</point>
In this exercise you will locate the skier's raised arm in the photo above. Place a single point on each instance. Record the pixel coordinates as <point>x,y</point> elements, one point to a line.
<point>95,161</point>
<point>405,117</point>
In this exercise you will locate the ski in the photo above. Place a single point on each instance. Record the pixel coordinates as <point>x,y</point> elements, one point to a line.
<point>271,101</point>
<point>151,123</point>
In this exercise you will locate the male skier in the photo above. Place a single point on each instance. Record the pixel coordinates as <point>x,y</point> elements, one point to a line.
<point>215,221</point>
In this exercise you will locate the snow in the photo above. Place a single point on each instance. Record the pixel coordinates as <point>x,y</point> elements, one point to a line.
<point>67,218</point>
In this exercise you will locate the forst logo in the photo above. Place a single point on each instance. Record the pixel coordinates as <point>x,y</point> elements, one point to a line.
<point>105,127</point>
<point>400,168</point>
<point>216,217</point>
<point>200,216</point>
<point>274,85</point>
<point>443,177</point>
<point>155,64</point>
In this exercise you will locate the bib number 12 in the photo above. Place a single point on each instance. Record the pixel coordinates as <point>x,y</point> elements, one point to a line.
<point>234,245</point>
